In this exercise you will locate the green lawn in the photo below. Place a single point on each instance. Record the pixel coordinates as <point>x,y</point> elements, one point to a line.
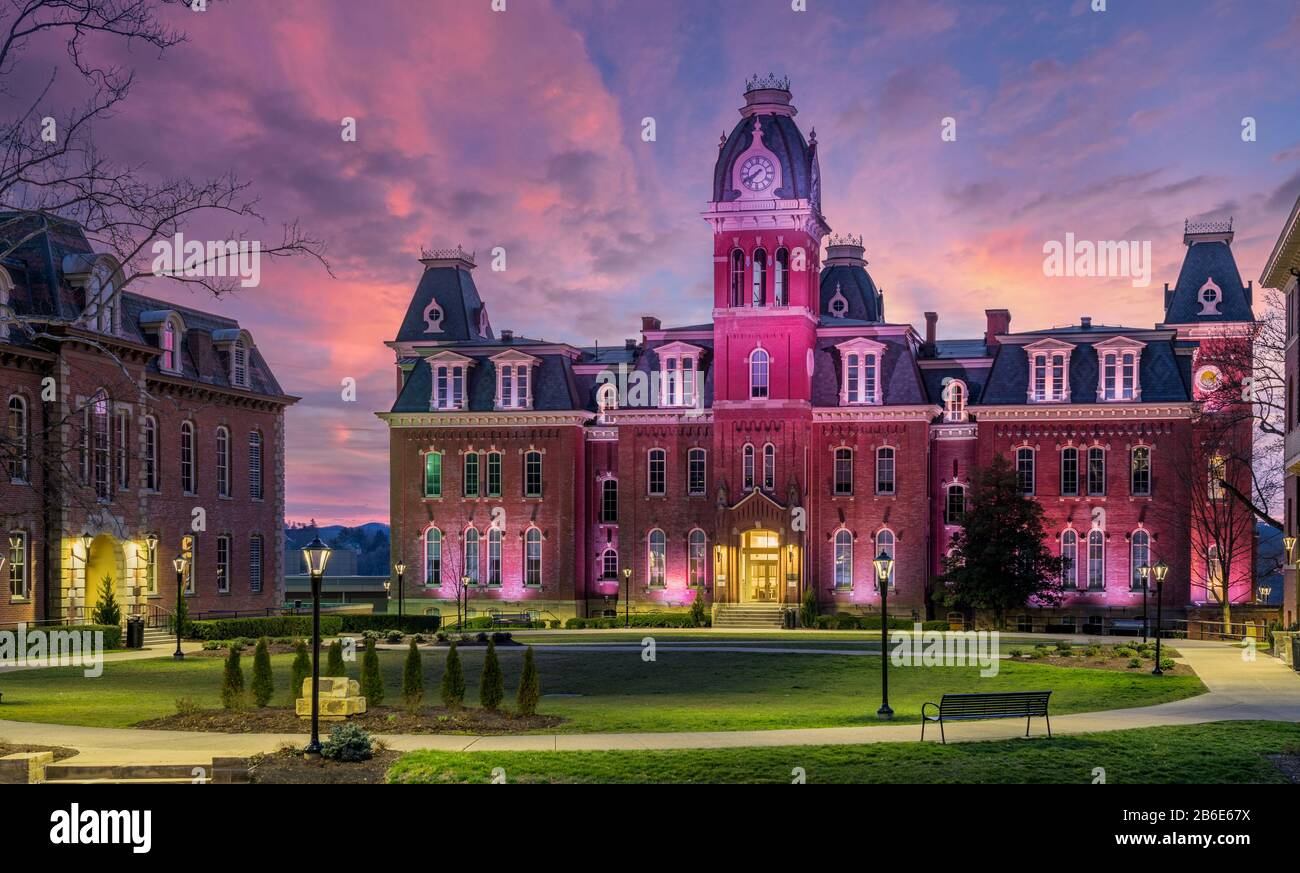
<point>613,691</point>
<point>1224,752</point>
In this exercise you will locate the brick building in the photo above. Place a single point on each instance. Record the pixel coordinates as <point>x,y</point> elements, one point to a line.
<point>783,445</point>
<point>128,418</point>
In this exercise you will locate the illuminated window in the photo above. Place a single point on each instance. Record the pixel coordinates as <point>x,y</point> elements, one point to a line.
<point>1139,556</point>
<point>1069,558</point>
<point>884,470</point>
<point>759,362</point>
<point>433,557</point>
<point>697,555</point>
<point>1140,472</point>
<point>843,472</point>
<point>656,558</point>
<point>533,557</point>
<point>433,474</point>
<point>843,559</point>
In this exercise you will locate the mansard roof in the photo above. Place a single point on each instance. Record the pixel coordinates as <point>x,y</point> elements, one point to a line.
<point>1208,259</point>
<point>1165,375</point>
<point>554,386</point>
<point>447,282</point>
<point>854,284</point>
<point>975,378</point>
<point>901,379</point>
<point>782,137</point>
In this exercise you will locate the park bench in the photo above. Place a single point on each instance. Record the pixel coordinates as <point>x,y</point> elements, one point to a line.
<point>511,619</point>
<point>1126,626</point>
<point>986,705</point>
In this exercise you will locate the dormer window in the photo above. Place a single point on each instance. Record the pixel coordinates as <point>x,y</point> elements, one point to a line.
<point>450,380</point>
<point>861,381</point>
<point>514,379</point>
<point>168,345</point>
<point>679,374</point>
<point>1049,371</point>
<point>955,401</point>
<point>606,401</point>
<point>1118,379</point>
<point>169,333</point>
<point>1210,295</point>
<point>239,364</point>
<point>838,305</point>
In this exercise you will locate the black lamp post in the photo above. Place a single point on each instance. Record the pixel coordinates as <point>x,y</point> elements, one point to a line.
<point>1160,570</point>
<point>1288,544</point>
<point>1144,571</point>
<point>317,555</point>
<point>464,587</point>
<point>627,597</point>
<point>86,540</point>
<point>400,568</point>
<point>884,566</point>
<point>179,563</point>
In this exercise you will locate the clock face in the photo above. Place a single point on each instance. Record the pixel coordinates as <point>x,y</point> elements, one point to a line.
<point>757,173</point>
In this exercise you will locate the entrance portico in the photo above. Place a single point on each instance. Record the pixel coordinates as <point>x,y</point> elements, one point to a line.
<point>759,555</point>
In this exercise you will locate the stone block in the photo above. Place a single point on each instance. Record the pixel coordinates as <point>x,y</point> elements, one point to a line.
<point>333,686</point>
<point>332,708</point>
<point>24,768</point>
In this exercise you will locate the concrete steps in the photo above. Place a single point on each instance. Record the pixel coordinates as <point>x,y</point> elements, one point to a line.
<point>155,637</point>
<point>768,616</point>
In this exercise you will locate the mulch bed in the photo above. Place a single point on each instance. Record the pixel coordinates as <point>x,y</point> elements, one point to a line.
<point>1117,664</point>
<point>247,652</point>
<point>289,767</point>
<point>60,752</point>
<point>379,720</point>
<point>1289,765</point>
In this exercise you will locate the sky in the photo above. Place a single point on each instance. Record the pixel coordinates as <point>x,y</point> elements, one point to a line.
<point>523,129</point>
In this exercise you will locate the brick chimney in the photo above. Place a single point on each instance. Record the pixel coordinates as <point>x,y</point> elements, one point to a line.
<point>648,323</point>
<point>1085,322</point>
<point>999,321</point>
<point>507,336</point>
<point>931,319</point>
<point>629,344</point>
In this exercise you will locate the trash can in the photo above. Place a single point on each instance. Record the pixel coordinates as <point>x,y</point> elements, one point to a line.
<point>135,632</point>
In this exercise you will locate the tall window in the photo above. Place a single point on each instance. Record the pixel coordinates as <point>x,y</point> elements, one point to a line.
<point>1119,376</point>
<point>187,457</point>
<point>433,474</point>
<point>688,381</point>
<point>533,474</point>
<point>747,467</point>
<point>168,340</point>
<point>121,443</point>
<point>255,464</point>
<point>843,559</point>
<point>223,564</point>
<point>100,445</point>
<point>769,467</point>
<point>697,559</point>
<point>782,276</point>
<point>696,461</point>
<point>1218,468</point>
<point>1049,377</point>
<point>255,563</point>
<point>1069,559</point>
<point>513,386</point>
<point>955,507</point>
<point>1069,472</point>
<point>861,382</point>
<point>449,386</point>
<point>955,401</point>
<point>609,501</point>
<point>533,557</point>
<point>18,439</point>
<point>494,474</point>
<point>1139,556</point>
<point>606,401</point>
<point>884,470</point>
<point>737,278</point>
<point>1096,560</point>
<point>609,564</point>
<point>1140,472</point>
<point>760,278</point>
<point>1096,471</point>
<point>433,556</point>
<point>223,462</point>
<point>151,572</point>
<point>150,453</point>
<point>239,364</point>
<point>843,471</point>
<point>494,556</point>
<point>657,472</point>
<point>758,373</point>
<point>1214,574</point>
<point>885,546</point>
<point>17,548</point>
<point>1025,470</point>
<point>470,478</point>
<point>472,555</point>
<point>656,558</point>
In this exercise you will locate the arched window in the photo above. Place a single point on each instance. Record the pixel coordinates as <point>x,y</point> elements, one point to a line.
<point>609,501</point>
<point>1140,472</point>
<point>1069,559</point>
<point>255,466</point>
<point>17,564</point>
<point>187,457</point>
<point>606,401</point>
<point>1096,560</point>
<point>885,546</point>
<point>955,401</point>
<point>885,470</point>
<point>493,474</point>
<point>657,472</point>
<point>472,555</point>
<point>433,557</point>
<point>255,563</point>
<point>1218,471</point>
<point>1025,470</point>
<point>150,453</point>
<point>121,442</point>
<point>747,467</point>
<point>697,559</point>
<point>760,277</point>
<point>17,438</point>
<point>223,462</point>
<point>1069,472</point>
<point>533,558</point>
<point>955,506</point>
<point>843,471</point>
<point>737,278</point>
<point>843,559</point>
<point>494,556</point>
<point>239,364</point>
<point>609,564</point>
<point>167,341</point>
<point>782,277</point>
<point>1096,471</point>
<point>469,479</point>
<point>533,474</point>
<point>769,467</point>
<point>433,474</point>
<point>1214,574</point>
<point>101,448</point>
<point>696,482</point>
<point>758,373</point>
<point>656,558</point>
<point>1139,556</point>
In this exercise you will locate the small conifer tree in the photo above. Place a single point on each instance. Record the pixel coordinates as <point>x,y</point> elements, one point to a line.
<point>453,680</point>
<point>491,686</point>
<point>263,683</point>
<point>529,688</point>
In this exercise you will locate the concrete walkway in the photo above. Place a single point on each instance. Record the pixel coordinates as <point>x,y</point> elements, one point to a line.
<point>1262,689</point>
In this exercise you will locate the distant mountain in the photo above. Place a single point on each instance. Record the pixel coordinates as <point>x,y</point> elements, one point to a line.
<point>369,541</point>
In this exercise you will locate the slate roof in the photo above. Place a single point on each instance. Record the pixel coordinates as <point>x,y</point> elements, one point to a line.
<point>901,384</point>
<point>783,138</point>
<point>457,296</point>
<point>1208,260</point>
<point>1165,375</point>
<point>554,385</point>
<point>974,377</point>
<point>960,348</point>
<point>855,283</point>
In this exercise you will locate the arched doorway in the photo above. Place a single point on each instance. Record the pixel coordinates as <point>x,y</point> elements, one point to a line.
<point>760,566</point>
<point>106,561</point>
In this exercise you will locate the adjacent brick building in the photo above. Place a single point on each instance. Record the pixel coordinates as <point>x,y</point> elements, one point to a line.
<point>128,419</point>
<point>780,447</point>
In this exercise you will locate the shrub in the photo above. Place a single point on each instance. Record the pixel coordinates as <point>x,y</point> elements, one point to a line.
<point>529,688</point>
<point>106,612</point>
<point>1016,653</point>
<point>1065,648</point>
<point>1124,652</point>
<point>502,636</point>
<point>555,624</point>
<point>1167,663</point>
<point>697,609</point>
<point>453,680</point>
<point>300,670</point>
<point>1093,651</point>
<point>412,678</point>
<point>187,706</point>
<point>263,683</point>
<point>393,636</point>
<point>232,682</point>
<point>481,637</point>
<point>380,622</point>
<point>1134,662</point>
<point>372,681</point>
<point>491,686</point>
<point>808,608</point>
<point>348,742</point>
<point>264,626</point>
<point>334,665</point>
<point>1040,652</point>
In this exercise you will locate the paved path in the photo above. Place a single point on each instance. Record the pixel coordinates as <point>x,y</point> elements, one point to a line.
<point>1262,689</point>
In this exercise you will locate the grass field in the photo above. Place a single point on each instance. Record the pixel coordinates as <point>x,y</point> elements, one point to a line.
<point>1221,753</point>
<point>612,691</point>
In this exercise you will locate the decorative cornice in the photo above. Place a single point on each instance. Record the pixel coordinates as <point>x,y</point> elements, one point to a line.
<point>966,430</point>
<point>916,412</point>
<point>482,419</point>
<point>1065,412</point>
<point>686,415</point>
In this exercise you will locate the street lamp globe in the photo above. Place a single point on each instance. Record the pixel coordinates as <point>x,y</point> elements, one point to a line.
<point>884,565</point>
<point>317,555</point>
